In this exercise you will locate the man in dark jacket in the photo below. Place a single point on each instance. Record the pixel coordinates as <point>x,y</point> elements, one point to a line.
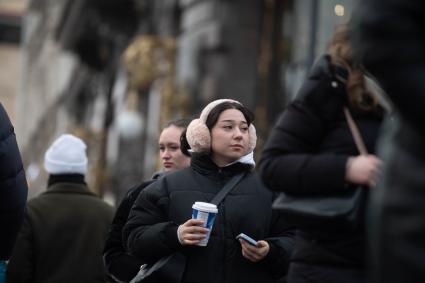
<point>64,230</point>
<point>390,39</point>
<point>13,188</point>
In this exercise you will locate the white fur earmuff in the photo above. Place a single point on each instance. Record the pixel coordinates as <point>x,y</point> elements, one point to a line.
<point>198,135</point>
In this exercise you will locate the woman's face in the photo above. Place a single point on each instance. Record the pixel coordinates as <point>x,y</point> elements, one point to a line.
<point>169,149</point>
<point>229,137</point>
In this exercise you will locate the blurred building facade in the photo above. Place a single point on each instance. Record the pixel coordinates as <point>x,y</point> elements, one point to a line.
<point>11,14</point>
<point>114,71</point>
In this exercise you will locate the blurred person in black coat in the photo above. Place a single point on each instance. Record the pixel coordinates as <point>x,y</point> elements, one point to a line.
<point>120,264</point>
<point>13,188</point>
<point>389,39</point>
<point>311,150</point>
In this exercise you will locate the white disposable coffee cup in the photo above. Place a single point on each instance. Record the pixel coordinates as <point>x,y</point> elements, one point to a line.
<point>206,212</point>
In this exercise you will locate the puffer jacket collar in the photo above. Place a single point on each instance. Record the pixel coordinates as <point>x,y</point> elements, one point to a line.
<point>202,163</point>
<point>323,67</point>
<point>69,188</point>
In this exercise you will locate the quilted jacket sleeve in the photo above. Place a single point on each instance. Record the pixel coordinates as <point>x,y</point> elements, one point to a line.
<point>148,233</point>
<point>291,160</point>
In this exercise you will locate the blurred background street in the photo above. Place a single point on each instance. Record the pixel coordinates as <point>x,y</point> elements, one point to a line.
<point>114,71</point>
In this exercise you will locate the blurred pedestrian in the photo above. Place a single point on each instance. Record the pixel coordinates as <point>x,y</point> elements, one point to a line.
<point>311,150</point>
<point>13,190</point>
<point>121,265</point>
<point>65,228</point>
<point>222,141</point>
<point>389,38</point>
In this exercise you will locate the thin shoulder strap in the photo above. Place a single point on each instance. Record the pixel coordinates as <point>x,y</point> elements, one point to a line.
<point>227,188</point>
<point>358,140</point>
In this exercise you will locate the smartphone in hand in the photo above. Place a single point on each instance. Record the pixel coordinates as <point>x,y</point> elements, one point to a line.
<point>247,239</point>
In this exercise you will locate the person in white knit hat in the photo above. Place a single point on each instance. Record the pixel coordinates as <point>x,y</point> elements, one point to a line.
<point>65,227</point>
<point>67,155</point>
<point>221,143</point>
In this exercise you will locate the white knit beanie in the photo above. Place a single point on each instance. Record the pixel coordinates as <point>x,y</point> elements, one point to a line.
<point>67,155</point>
<point>198,135</point>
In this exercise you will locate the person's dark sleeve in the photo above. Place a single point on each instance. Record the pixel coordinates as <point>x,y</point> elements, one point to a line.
<point>388,39</point>
<point>148,232</point>
<point>13,186</point>
<point>119,264</point>
<point>20,268</point>
<point>290,162</point>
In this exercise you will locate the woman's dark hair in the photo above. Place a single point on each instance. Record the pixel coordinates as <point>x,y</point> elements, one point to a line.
<point>179,123</point>
<point>216,111</point>
<point>184,145</point>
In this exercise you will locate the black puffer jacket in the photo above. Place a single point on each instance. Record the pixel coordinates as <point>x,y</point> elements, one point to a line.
<point>120,265</point>
<point>307,152</point>
<point>13,186</point>
<point>151,230</point>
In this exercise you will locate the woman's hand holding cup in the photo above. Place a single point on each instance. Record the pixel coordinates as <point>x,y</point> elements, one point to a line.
<point>191,232</point>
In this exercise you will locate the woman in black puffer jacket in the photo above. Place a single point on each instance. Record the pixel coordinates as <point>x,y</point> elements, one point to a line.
<point>159,224</point>
<point>311,150</point>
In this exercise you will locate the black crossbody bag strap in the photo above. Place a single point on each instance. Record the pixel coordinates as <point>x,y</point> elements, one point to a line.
<point>227,188</point>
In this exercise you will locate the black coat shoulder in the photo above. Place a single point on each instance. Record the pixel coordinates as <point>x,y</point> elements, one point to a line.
<point>13,186</point>
<point>322,93</point>
<point>309,145</point>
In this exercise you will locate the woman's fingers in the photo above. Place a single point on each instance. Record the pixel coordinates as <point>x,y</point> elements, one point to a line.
<point>191,232</point>
<point>191,239</point>
<point>254,253</point>
<point>193,222</point>
<point>247,252</point>
<point>249,256</point>
<point>195,230</point>
<point>363,169</point>
<point>194,235</point>
<point>191,242</point>
<point>376,173</point>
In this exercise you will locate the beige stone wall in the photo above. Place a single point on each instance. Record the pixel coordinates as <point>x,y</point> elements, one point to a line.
<point>9,78</point>
<point>10,66</point>
<point>13,6</point>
